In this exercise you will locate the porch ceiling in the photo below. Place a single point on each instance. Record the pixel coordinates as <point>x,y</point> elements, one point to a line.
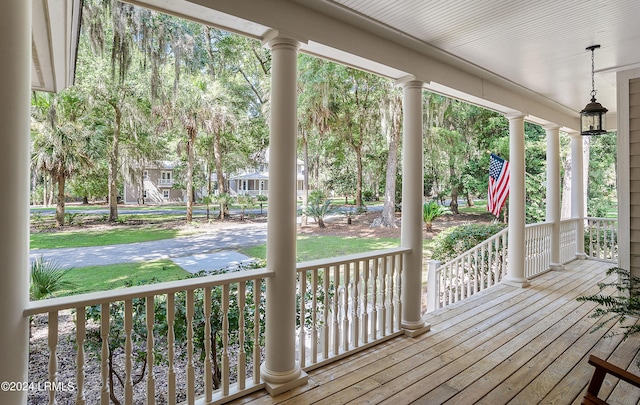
<point>504,55</point>
<point>55,31</point>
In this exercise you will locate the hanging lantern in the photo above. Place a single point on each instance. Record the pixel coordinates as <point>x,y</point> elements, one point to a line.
<point>592,117</point>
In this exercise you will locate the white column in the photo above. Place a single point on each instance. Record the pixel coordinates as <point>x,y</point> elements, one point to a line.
<point>412,191</point>
<point>553,191</point>
<point>577,191</point>
<point>280,370</point>
<point>517,218</point>
<point>15,92</point>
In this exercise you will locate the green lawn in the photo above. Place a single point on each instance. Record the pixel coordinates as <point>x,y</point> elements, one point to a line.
<point>83,238</point>
<point>102,278</point>
<point>320,247</point>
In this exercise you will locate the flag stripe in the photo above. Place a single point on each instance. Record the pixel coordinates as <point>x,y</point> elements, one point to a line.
<point>499,176</point>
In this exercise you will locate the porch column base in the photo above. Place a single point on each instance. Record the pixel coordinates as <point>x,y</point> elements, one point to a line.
<point>413,329</point>
<point>278,382</point>
<point>516,281</point>
<point>556,266</point>
<point>581,256</point>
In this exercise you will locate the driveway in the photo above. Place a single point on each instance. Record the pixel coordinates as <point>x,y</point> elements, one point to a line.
<point>223,239</point>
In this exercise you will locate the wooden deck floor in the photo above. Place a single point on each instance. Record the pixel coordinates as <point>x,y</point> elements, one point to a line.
<point>504,345</point>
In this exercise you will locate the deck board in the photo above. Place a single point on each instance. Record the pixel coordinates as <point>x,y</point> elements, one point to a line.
<point>503,345</point>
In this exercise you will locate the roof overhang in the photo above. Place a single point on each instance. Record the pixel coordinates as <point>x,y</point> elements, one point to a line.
<point>55,34</point>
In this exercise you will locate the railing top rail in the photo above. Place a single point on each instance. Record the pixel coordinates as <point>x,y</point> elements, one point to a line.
<point>539,224</point>
<point>601,219</point>
<point>489,240</point>
<point>122,294</point>
<point>333,261</point>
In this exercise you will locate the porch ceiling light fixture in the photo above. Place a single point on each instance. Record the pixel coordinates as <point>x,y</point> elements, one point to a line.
<point>592,117</point>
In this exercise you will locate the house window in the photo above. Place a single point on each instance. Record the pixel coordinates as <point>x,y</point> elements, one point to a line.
<point>165,177</point>
<point>145,175</point>
<point>165,194</point>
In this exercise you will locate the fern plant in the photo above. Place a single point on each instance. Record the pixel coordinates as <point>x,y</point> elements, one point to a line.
<point>618,307</point>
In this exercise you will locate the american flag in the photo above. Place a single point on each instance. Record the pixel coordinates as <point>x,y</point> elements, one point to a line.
<point>498,184</point>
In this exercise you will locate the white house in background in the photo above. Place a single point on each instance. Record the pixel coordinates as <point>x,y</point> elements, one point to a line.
<point>158,181</point>
<point>254,180</point>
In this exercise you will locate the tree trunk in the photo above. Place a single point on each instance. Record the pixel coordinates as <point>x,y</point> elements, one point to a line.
<point>454,190</point>
<point>45,195</point>
<point>305,180</point>
<point>60,203</point>
<point>141,199</point>
<point>191,134</point>
<point>392,124</point>
<point>222,187</point>
<point>113,166</point>
<point>359,178</point>
<point>470,202</point>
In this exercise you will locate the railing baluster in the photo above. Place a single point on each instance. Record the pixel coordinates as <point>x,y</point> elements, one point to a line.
<point>314,317</point>
<point>171,389</point>
<point>336,299</point>
<point>81,333</point>
<point>53,357</point>
<point>208,367</point>
<point>242,356</point>
<point>191,383</point>
<point>383,297</point>
<point>374,299</point>
<point>225,340</point>
<point>400,263</point>
<point>151,387</point>
<point>391,296</point>
<point>104,355</point>
<point>365,301</point>
<point>346,322</point>
<point>325,313</point>
<point>301,331</point>
<point>128,352</point>
<point>355,334</point>
<point>257,284</point>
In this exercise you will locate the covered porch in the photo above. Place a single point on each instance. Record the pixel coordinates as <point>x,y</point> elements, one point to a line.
<point>363,312</point>
<point>503,345</point>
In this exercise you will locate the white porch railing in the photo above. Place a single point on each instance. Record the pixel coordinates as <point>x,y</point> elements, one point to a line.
<point>345,304</point>
<point>568,240</point>
<point>484,265</point>
<point>537,249</point>
<point>476,269</point>
<point>186,305</point>
<point>601,241</point>
<point>349,303</point>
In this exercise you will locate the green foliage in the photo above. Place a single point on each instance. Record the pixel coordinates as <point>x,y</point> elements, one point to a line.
<point>73,218</point>
<point>431,211</point>
<point>47,278</point>
<point>318,210</point>
<point>456,240</point>
<point>262,198</point>
<point>245,201</point>
<point>619,307</point>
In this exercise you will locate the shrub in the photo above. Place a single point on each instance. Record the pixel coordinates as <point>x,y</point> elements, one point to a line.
<point>456,240</point>
<point>623,306</point>
<point>431,211</point>
<point>261,197</point>
<point>47,278</point>
<point>319,210</point>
